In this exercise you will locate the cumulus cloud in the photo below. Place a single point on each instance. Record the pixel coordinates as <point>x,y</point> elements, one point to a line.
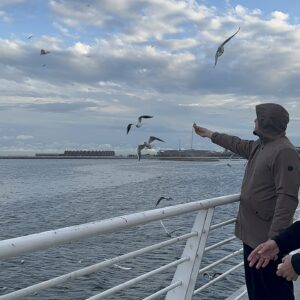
<point>24,137</point>
<point>111,61</point>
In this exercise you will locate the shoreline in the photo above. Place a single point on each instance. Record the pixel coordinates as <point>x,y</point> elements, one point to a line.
<point>171,158</point>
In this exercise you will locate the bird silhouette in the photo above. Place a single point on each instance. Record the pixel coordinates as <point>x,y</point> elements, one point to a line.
<point>139,123</point>
<point>220,50</point>
<point>163,198</point>
<point>44,52</point>
<point>169,233</point>
<point>147,145</point>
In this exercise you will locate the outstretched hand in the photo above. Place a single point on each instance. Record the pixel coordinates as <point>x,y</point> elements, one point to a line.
<point>203,132</point>
<point>263,253</point>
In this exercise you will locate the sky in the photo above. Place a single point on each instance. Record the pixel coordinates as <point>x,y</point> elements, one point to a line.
<point>112,61</point>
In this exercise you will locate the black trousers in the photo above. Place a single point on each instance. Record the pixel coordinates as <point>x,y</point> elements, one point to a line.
<point>264,284</point>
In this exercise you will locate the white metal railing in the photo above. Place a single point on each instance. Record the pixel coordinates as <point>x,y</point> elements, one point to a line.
<point>187,270</point>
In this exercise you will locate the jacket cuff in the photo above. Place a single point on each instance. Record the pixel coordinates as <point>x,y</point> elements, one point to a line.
<point>214,136</point>
<point>281,243</point>
<point>296,262</point>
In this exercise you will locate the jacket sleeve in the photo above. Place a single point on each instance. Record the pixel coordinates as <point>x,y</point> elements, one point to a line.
<point>233,143</point>
<point>289,239</point>
<point>296,262</point>
<point>285,170</point>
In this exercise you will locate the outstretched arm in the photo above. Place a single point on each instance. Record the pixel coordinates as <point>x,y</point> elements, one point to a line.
<point>232,143</point>
<point>203,132</point>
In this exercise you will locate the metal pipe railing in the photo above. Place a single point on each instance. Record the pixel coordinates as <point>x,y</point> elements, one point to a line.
<point>137,279</point>
<point>91,269</point>
<point>220,243</point>
<point>164,290</point>
<point>20,245</point>
<point>218,278</point>
<point>44,240</point>
<point>210,266</point>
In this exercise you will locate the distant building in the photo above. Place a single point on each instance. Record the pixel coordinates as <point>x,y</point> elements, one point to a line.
<point>89,153</point>
<point>77,153</point>
<point>187,153</point>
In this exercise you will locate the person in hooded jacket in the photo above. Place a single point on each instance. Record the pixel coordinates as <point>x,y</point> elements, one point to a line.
<point>269,194</point>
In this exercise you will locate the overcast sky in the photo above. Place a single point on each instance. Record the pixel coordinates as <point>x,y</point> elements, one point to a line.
<point>111,61</point>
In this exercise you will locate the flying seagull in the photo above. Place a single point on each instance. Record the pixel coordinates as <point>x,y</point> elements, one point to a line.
<point>220,50</point>
<point>44,52</point>
<point>169,233</point>
<point>139,123</point>
<point>29,37</point>
<point>147,145</point>
<point>163,198</point>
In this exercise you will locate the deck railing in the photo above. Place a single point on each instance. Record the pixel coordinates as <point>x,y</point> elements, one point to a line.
<point>188,266</point>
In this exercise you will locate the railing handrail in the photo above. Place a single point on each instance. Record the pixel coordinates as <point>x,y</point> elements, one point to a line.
<point>44,240</point>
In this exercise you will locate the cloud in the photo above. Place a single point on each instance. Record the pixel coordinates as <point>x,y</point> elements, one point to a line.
<point>24,137</point>
<point>4,3</point>
<point>112,61</point>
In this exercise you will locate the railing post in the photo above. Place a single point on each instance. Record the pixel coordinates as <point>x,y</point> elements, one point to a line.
<point>187,272</point>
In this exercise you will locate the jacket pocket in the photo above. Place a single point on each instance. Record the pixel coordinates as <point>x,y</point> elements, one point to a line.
<point>264,215</point>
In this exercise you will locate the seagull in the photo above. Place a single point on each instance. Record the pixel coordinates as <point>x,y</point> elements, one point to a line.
<point>44,52</point>
<point>120,267</point>
<point>169,233</point>
<point>163,198</point>
<point>211,276</point>
<point>220,50</point>
<point>139,124</point>
<point>29,37</point>
<point>147,145</point>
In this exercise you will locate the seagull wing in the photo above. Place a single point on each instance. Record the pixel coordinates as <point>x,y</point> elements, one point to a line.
<point>139,149</point>
<point>122,268</point>
<point>227,40</point>
<point>153,138</point>
<point>144,117</point>
<point>128,127</point>
<point>158,201</point>
<point>164,227</point>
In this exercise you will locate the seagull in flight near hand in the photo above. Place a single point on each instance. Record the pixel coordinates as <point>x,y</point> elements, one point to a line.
<point>44,52</point>
<point>147,145</point>
<point>220,50</point>
<point>139,123</point>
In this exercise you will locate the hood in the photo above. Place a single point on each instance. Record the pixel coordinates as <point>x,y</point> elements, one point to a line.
<point>272,121</point>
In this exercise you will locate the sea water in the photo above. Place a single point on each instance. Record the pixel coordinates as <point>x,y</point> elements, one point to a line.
<point>43,194</point>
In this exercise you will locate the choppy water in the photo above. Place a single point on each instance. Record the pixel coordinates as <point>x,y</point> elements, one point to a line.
<point>40,195</point>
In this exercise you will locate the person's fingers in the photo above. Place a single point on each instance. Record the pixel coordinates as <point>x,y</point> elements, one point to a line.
<point>266,262</point>
<point>253,260</point>
<point>253,255</point>
<point>260,262</point>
